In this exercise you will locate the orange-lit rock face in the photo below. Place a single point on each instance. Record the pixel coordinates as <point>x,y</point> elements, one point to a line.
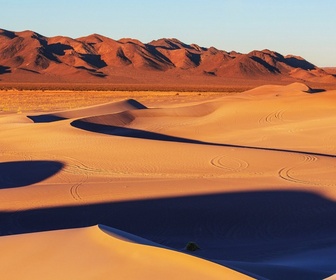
<point>34,58</point>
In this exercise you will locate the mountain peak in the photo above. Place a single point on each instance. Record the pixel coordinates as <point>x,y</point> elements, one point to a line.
<point>96,56</point>
<point>130,41</point>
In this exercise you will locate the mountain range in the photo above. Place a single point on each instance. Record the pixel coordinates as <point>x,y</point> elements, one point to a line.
<point>30,57</point>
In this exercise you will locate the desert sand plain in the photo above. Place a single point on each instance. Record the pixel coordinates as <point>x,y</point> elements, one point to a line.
<point>115,185</point>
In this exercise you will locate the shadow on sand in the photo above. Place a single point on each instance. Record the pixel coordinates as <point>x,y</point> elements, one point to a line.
<point>47,118</point>
<point>148,135</point>
<point>23,173</point>
<point>246,230</point>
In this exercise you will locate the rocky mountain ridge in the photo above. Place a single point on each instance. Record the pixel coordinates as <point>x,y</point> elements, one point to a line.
<point>96,57</point>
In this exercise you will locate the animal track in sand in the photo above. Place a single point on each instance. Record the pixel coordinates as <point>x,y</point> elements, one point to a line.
<point>230,164</point>
<point>273,117</point>
<point>291,174</point>
<point>74,172</point>
<point>74,191</point>
<point>76,167</point>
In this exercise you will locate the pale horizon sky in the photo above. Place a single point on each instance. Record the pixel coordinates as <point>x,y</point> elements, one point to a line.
<point>299,27</point>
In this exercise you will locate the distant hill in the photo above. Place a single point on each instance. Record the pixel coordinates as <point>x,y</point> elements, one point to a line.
<point>30,57</point>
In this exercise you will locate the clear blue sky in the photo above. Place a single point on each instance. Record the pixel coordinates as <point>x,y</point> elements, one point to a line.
<point>300,27</point>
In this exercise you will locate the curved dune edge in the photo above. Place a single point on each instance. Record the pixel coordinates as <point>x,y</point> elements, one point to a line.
<point>121,113</point>
<point>108,108</point>
<point>288,90</point>
<point>90,253</point>
<point>125,112</point>
<point>332,277</point>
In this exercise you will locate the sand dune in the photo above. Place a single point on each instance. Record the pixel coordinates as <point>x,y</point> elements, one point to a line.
<point>102,253</point>
<point>248,177</point>
<point>113,107</point>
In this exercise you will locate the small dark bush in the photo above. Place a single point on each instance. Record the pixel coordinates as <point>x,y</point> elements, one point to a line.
<point>192,246</point>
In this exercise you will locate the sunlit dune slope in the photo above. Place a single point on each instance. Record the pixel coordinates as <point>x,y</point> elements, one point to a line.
<point>248,177</point>
<point>98,253</point>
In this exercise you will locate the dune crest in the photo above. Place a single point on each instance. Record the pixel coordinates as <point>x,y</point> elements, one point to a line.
<point>65,254</point>
<point>288,90</point>
<point>109,108</point>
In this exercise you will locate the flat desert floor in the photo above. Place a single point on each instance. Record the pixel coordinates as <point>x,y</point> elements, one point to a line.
<point>150,185</point>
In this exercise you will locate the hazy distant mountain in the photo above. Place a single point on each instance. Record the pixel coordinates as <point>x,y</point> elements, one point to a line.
<point>29,56</point>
